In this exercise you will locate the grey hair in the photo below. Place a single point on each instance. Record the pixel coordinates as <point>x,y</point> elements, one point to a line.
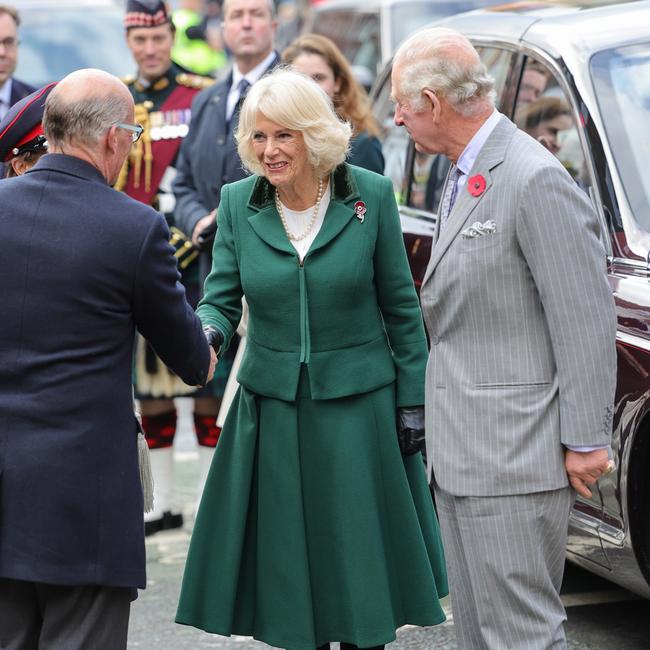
<point>445,62</point>
<point>298,103</point>
<point>83,121</point>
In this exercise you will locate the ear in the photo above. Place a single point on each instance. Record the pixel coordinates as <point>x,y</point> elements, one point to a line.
<point>19,165</point>
<point>110,139</point>
<point>436,106</point>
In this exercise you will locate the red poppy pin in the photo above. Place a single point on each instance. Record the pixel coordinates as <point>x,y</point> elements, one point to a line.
<point>476,185</point>
<point>360,210</point>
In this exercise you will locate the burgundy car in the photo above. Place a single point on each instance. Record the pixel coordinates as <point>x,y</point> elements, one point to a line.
<point>577,78</point>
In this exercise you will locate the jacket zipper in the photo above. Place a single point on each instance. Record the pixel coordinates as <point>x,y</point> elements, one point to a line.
<point>305,341</point>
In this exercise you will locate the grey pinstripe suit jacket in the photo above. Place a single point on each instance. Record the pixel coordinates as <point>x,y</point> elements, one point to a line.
<point>522,327</point>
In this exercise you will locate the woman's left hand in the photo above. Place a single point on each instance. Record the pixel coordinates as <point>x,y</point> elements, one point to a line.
<point>410,429</point>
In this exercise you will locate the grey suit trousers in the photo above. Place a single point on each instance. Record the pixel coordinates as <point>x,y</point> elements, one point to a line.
<point>36,616</point>
<point>505,559</point>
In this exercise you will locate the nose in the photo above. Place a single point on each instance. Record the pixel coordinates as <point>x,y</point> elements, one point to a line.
<point>149,47</point>
<point>246,20</point>
<point>397,118</point>
<point>270,147</point>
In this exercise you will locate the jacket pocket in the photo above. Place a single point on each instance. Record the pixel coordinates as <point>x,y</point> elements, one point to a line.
<point>511,384</point>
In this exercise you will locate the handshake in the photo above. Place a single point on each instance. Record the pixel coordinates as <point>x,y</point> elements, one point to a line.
<point>215,341</point>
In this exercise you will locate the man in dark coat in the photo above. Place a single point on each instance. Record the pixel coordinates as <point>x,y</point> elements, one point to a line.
<point>83,268</point>
<point>208,157</point>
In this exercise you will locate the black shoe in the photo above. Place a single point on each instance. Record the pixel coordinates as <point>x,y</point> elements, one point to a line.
<point>166,522</point>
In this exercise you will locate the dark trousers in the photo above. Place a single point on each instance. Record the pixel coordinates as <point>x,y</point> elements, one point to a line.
<point>35,616</point>
<point>350,646</point>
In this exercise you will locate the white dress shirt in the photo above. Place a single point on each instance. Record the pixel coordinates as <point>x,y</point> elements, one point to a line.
<point>251,76</point>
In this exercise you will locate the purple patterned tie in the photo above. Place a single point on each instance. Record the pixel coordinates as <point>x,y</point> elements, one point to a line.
<point>449,198</point>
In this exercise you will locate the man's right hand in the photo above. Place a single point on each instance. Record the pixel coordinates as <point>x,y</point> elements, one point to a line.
<point>585,468</point>
<point>201,225</point>
<point>213,364</point>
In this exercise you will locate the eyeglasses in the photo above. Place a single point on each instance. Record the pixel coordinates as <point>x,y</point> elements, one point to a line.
<point>136,130</point>
<point>10,43</point>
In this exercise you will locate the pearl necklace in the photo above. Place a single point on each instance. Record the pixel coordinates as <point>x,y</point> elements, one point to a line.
<point>311,223</point>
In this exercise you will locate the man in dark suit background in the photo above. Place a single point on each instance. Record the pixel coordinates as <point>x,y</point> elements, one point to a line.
<point>208,157</point>
<point>84,267</point>
<point>11,90</point>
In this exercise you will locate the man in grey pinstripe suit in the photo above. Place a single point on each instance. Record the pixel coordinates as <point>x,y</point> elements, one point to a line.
<point>521,374</point>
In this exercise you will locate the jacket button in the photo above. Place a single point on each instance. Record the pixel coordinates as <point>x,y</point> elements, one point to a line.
<point>435,340</point>
<point>220,140</point>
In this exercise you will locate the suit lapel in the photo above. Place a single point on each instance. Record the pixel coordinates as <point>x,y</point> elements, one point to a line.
<point>491,155</point>
<point>340,211</point>
<point>218,104</point>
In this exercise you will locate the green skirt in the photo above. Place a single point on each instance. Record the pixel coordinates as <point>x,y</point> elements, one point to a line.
<point>312,527</point>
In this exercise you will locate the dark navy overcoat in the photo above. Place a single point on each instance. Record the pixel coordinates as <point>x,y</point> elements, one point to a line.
<point>82,266</point>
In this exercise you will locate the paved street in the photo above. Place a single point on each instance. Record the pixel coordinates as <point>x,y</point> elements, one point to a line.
<point>601,616</point>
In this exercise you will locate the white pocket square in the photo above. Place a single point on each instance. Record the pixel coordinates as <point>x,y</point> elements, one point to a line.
<point>477,229</point>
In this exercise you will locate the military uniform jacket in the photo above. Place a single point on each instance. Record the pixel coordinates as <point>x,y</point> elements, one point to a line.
<point>349,310</point>
<point>163,109</point>
<point>83,266</point>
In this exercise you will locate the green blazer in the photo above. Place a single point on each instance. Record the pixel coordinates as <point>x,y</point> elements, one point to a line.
<point>349,311</point>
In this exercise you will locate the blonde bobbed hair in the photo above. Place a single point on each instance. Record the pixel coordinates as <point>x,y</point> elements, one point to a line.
<point>295,102</point>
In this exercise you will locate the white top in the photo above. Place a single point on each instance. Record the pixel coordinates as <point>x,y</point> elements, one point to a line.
<point>297,222</point>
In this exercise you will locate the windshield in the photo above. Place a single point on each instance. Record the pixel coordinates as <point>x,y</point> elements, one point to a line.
<point>622,82</point>
<point>60,40</point>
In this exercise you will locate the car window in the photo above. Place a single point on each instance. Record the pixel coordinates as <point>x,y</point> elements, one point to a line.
<point>356,34</point>
<point>622,82</point>
<point>429,172</point>
<point>543,110</point>
<point>395,139</point>
<point>57,41</point>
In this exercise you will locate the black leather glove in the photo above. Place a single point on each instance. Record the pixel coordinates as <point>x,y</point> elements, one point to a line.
<point>410,429</point>
<point>206,238</point>
<point>215,338</point>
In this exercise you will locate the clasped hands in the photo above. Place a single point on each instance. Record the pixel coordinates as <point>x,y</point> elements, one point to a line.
<point>585,468</point>
<point>215,340</point>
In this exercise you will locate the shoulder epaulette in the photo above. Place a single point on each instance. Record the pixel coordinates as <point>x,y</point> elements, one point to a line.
<point>194,80</point>
<point>128,80</point>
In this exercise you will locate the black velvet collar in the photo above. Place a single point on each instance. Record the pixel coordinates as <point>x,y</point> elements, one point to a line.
<point>344,188</point>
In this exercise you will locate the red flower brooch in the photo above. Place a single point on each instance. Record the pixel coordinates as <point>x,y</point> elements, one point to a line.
<point>476,185</point>
<point>360,210</point>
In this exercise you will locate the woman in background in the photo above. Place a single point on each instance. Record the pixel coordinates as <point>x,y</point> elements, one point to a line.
<point>22,141</point>
<point>319,58</point>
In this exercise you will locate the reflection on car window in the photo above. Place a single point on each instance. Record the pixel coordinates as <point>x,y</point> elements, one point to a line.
<point>429,172</point>
<point>395,141</point>
<point>355,33</point>
<point>622,82</point>
<point>57,41</point>
<point>543,111</point>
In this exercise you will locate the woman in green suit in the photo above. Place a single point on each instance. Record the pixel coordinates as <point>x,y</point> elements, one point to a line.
<point>319,58</point>
<point>313,527</point>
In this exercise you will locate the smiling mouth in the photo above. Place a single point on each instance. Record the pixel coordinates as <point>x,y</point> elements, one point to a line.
<point>276,166</point>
